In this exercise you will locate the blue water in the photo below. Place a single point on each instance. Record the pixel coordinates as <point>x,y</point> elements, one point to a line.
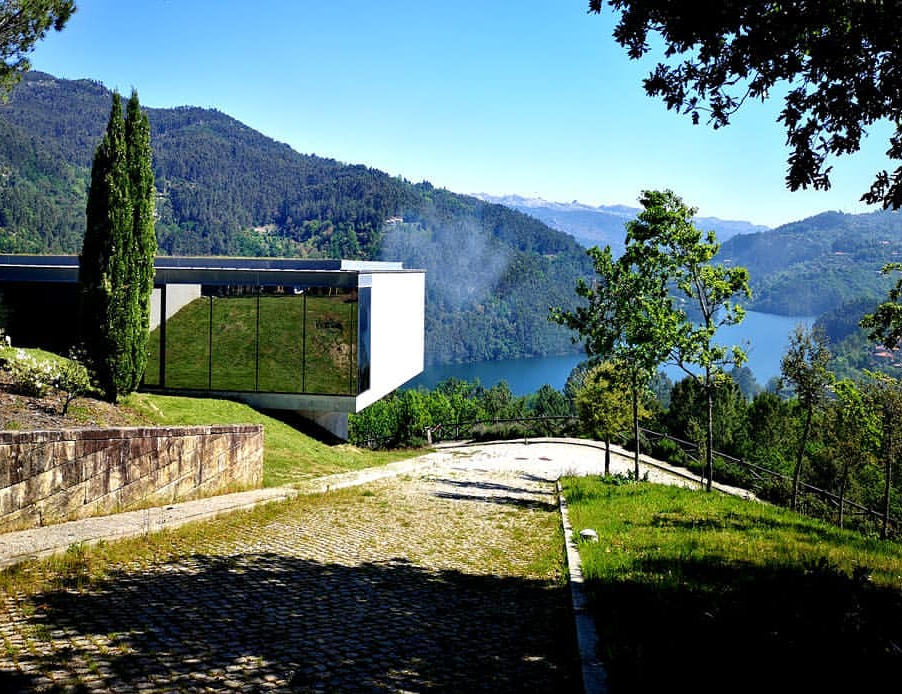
<point>764,336</point>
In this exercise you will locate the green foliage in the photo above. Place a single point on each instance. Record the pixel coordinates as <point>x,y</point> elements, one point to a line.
<point>664,243</point>
<point>452,409</point>
<point>37,374</point>
<point>744,51</point>
<point>22,24</point>
<point>804,369</point>
<point>73,381</point>
<point>142,247</point>
<point>116,262</point>
<point>30,376</point>
<point>687,416</point>
<point>548,402</point>
<point>604,403</point>
<point>885,323</point>
<point>678,572</point>
<point>883,395</point>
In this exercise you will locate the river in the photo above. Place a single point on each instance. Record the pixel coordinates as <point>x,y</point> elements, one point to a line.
<point>765,337</point>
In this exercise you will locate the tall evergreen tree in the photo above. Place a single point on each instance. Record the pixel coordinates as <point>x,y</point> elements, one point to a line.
<point>116,262</point>
<point>143,239</point>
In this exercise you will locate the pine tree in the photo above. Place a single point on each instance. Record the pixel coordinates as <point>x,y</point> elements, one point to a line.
<point>116,262</point>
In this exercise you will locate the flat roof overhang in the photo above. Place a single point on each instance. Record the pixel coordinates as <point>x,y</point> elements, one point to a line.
<point>212,270</point>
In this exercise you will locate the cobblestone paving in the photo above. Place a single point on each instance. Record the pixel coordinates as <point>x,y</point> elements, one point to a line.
<point>428,582</point>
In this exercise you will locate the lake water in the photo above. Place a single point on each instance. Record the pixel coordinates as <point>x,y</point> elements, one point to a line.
<point>764,336</point>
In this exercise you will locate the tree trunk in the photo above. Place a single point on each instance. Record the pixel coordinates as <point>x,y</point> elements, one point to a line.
<point>887,486</point>
<point>607,454</point>
<point>797,475</point>
<point>636,425</point>
<point>842,502</point>
<point>709,437</point>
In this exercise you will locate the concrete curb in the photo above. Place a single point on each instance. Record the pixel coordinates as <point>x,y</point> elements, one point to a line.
<point>595,677</point>
<point>36,543</point>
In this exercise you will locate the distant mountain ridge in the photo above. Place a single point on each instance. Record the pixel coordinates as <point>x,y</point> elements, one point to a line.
<point>226,189</point>
<point>603,225</point>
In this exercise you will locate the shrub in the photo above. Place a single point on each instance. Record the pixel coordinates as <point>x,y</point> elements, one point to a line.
<point>72,380</point>
<point>30,376</point>
<point>36,377</point>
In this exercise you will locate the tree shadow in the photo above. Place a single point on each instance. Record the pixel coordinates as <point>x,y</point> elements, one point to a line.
<point>762,629</point>
<point>518,496</point>
<point>266,620</point>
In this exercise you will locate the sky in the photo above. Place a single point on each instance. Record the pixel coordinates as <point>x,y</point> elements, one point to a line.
<point>532,98</point>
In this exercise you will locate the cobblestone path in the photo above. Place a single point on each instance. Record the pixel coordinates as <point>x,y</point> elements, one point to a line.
<point>428,582</point>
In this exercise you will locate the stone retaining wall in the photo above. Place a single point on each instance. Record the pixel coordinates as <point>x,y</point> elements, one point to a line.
<point>53,476</point>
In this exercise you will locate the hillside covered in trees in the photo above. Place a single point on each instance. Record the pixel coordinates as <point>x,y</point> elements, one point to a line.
<point>226,189</point>
<point>815,265</point>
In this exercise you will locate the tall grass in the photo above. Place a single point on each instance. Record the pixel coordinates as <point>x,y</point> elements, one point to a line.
<point>704,592</point>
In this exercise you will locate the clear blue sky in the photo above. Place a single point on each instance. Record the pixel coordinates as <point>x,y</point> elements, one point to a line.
<point>531,97</point>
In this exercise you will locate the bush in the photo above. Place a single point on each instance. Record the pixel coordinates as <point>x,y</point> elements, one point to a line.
<point>72,381</point>
<point>30,376</point>
<point>35,377</point>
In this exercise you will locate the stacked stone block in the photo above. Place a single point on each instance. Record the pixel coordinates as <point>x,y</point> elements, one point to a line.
<point>53,476</point>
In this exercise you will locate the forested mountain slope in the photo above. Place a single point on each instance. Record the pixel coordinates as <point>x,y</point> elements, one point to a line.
<point>226,189</point>
<point>817,264</point>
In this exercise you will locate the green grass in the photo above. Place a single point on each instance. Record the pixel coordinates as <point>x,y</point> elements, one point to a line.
<point>289,456</point>
<point>705,592</point>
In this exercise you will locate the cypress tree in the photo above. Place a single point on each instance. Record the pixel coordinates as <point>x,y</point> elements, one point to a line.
<point>116,261</point>
<point>143,242</point>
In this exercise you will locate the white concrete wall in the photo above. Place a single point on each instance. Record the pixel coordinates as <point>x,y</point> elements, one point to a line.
<point>397,334</point>
<point>177,297</point>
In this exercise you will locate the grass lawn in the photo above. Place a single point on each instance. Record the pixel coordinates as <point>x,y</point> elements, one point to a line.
<point>289,456</point>
<point>702,592</point>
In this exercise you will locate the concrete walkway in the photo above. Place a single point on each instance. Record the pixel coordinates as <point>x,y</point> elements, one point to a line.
<point>410,585</point>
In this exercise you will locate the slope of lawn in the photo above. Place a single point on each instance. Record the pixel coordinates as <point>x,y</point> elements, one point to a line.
<point>701,592</point>
<point>289,456</point>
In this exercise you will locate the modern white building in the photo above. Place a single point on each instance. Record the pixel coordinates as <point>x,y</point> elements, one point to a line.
<point>324,338</point>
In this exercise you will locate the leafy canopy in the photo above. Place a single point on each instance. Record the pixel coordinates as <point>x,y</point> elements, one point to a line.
<point>840,61</point>
<point>22,24</point>
<point>885,323</point>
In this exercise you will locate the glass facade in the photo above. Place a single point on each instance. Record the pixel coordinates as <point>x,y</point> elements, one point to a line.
<point>40,314</point>
<point>310,340</point>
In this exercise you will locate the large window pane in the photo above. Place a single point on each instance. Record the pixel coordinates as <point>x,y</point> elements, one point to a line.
<point>281,347</point>
<point>363,340</point>
<point>331,341</point>
<point>187,345</point>
<point>234,339</point>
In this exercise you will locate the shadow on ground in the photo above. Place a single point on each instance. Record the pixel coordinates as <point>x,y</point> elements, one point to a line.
<point>284,624</point>
<point>700,625</point>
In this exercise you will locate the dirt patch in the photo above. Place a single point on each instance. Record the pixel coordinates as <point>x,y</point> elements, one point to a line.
<point>24,413</point>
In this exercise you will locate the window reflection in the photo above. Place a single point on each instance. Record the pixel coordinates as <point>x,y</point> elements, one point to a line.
<point>233,339</point>
<point>268,339</point>
<point>281,345</point>
<point>186,353</point>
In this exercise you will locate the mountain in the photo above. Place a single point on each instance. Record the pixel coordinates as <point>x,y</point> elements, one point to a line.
<point>226,189</point>
<point>603,225</point>
<point>820,263</point>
